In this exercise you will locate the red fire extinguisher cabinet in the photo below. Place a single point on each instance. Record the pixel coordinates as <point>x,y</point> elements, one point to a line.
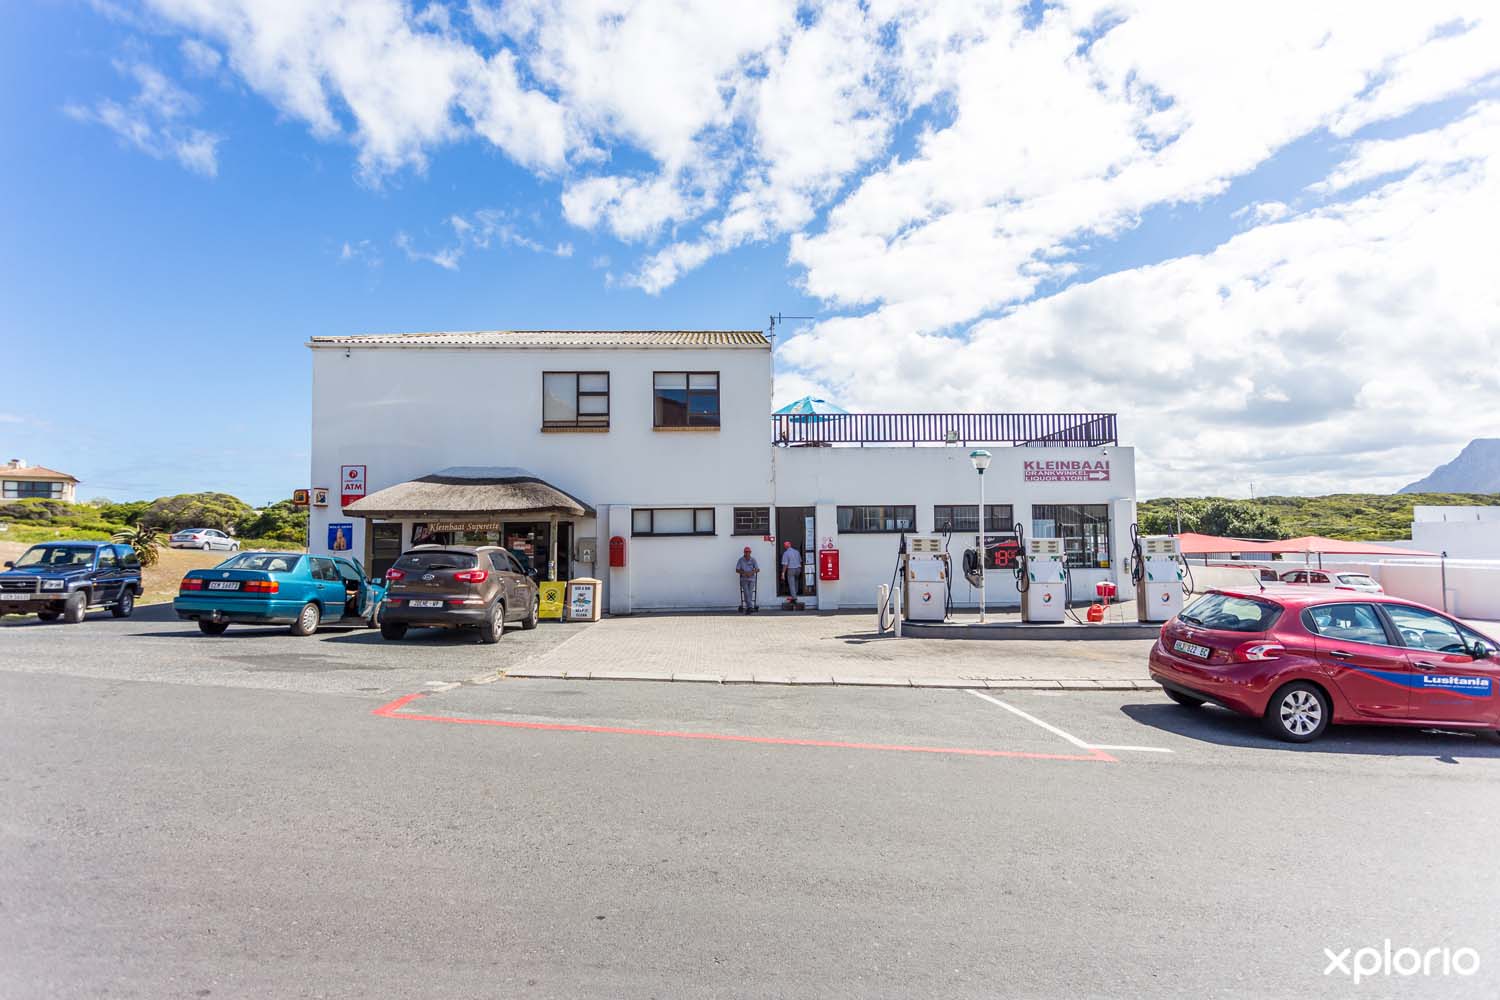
<point>828,564</point>
<point>616,552</point>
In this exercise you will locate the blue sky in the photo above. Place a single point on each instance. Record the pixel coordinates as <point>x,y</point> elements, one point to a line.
<point>984,213</point>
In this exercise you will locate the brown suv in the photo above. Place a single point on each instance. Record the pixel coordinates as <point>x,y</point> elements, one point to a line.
<point>456,586</point>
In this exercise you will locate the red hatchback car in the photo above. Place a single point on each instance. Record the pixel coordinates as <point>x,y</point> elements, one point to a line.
<point>1302,659</point>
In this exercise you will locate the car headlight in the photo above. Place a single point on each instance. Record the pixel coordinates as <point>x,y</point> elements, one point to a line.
<point>54,584</point>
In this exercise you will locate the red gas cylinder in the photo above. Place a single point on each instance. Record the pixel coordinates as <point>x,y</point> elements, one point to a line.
<point>1096,612</point>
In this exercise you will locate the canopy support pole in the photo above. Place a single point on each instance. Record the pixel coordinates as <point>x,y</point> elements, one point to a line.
<point>552,547</point>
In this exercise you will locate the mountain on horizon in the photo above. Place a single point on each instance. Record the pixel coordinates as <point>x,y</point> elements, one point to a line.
<point>1475,470</point>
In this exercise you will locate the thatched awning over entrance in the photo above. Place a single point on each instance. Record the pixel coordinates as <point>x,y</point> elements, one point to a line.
<point>468,493</point>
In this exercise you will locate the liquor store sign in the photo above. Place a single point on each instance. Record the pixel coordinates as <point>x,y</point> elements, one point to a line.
<point>1071,470</point>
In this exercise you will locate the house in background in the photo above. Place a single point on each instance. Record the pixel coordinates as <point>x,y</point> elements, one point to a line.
<point>19,481</point>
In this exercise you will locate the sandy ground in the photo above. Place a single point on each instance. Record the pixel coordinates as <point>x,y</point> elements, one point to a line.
<point>160,580</point>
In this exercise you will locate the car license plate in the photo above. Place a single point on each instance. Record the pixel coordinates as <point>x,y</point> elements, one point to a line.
<point>1192,649</point>
<point>15,597</point>
<point>426,604</point>
<point>223,585</point>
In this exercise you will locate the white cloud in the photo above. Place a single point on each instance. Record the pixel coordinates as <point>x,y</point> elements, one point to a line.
<point>486,228</point>
<point>204,60</point>
<point>1335,349</point>
<point>152,120</point>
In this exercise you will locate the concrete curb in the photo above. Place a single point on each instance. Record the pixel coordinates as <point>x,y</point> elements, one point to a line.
<point>982,683</point>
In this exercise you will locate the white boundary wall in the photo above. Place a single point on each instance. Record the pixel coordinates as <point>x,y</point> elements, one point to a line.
<point>1473,584</point>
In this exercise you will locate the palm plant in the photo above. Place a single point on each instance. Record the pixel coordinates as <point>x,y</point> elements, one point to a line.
<point>143,540</point>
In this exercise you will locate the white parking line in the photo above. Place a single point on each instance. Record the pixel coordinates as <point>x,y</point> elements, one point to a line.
<point>1058,732</point>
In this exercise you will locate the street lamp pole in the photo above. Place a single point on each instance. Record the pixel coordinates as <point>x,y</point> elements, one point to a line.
<point>981,460</point>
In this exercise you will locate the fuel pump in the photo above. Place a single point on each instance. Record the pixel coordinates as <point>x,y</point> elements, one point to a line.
<point>1042,579</point>
<point>1160,575</point>
<point>925,578</point>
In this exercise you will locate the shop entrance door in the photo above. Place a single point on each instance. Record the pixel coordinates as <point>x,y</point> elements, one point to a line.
<point>798,525</point>
<point>384,547</point>
<point>530,542</point>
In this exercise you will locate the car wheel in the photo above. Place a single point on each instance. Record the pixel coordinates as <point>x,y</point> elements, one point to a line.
<point>47,616</point>
<point>125,606</point>
<point>493,629</point>
<point>307,620</point>
<point>75,609</point>
<point>235,547</point>
<point>529,622</point>
<point>212,628</point>
<point>1185,700</point>
<point>1298,713</point>
<point>207,546</point>
<point>374,620</point>
<point>393,630</point>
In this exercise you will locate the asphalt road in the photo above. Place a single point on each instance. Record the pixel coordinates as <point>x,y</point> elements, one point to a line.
<point>563,839</point>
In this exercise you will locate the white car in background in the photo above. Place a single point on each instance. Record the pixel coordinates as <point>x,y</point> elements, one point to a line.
<point>1338,579</point>
<point>203,538</point>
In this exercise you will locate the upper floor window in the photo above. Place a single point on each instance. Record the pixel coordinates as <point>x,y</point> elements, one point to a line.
<point>575,399</point>
<point>26,489</point>
<point>686,399</point>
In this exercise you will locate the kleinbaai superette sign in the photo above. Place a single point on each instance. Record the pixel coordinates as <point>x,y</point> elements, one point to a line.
<point>1073,470</point>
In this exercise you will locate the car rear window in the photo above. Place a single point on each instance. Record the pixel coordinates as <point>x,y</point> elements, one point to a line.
<point>1358,578</point>
<point>268,562</point>
<point>437,560</point>
<point>1231,613</point>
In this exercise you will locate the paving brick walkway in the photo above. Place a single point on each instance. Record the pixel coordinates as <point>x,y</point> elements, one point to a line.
<point>811,648</point>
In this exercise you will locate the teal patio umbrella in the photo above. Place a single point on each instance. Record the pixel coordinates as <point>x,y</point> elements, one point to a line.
<point>808,406</point>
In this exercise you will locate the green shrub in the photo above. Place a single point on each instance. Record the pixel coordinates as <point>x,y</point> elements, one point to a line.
<point>196,510</point>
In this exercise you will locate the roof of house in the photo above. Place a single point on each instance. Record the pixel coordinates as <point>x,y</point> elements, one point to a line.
<point>470,491</point>
<point>35,472</point>
<point>752,339</point>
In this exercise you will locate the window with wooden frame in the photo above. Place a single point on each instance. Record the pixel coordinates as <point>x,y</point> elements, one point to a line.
<point>685,399</point>
<point>873,519</point>
<point>573,400</point>
<point>752,520</point>
<point>660,521</point>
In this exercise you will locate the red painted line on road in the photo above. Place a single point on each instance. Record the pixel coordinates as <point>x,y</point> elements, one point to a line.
<point>392,710</point>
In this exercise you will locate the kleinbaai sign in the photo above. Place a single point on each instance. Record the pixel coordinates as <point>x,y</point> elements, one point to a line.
<point>1071,470</point>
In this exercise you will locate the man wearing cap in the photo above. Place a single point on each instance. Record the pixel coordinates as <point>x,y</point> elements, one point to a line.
<point>748,569</point>
<point>791,569</point>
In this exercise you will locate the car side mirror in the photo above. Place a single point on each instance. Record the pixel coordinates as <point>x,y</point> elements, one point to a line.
<point>9,564</point>
<point>1480,651</point>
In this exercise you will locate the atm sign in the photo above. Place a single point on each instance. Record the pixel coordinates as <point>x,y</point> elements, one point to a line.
<point>351,484</point>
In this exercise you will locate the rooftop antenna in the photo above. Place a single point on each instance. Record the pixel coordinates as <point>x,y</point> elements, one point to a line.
<point>779,318</point>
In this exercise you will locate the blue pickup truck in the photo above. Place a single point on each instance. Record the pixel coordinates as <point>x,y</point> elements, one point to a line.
<point>64,579</point>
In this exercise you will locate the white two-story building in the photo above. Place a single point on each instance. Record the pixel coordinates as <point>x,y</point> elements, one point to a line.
<point>650,459</point>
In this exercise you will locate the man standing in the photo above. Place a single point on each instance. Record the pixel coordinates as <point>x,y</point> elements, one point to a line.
<point>791,569</point>
<point>748,570</point>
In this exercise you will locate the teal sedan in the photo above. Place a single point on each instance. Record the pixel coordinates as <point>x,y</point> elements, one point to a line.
<point>280,588</point>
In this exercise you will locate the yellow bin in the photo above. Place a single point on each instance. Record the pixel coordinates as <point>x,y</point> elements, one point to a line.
<point>553,596</point>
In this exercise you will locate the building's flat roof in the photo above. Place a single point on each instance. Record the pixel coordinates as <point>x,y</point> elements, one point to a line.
<point>752,339</point>
<point>34,472</point>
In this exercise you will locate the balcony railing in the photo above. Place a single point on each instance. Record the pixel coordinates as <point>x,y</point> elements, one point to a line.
<point>1035,430</point>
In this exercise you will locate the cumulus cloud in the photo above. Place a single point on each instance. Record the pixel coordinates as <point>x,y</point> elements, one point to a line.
<point>949,177</point>
<point>153,120</point>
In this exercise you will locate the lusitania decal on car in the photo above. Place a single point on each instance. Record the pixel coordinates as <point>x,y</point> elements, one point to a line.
<point>1473,687</point>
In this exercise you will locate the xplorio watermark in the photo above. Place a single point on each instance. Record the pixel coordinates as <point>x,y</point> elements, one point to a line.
<point>1368,963</point>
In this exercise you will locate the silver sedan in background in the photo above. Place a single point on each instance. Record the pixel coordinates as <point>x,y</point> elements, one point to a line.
<point>203,538</point>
